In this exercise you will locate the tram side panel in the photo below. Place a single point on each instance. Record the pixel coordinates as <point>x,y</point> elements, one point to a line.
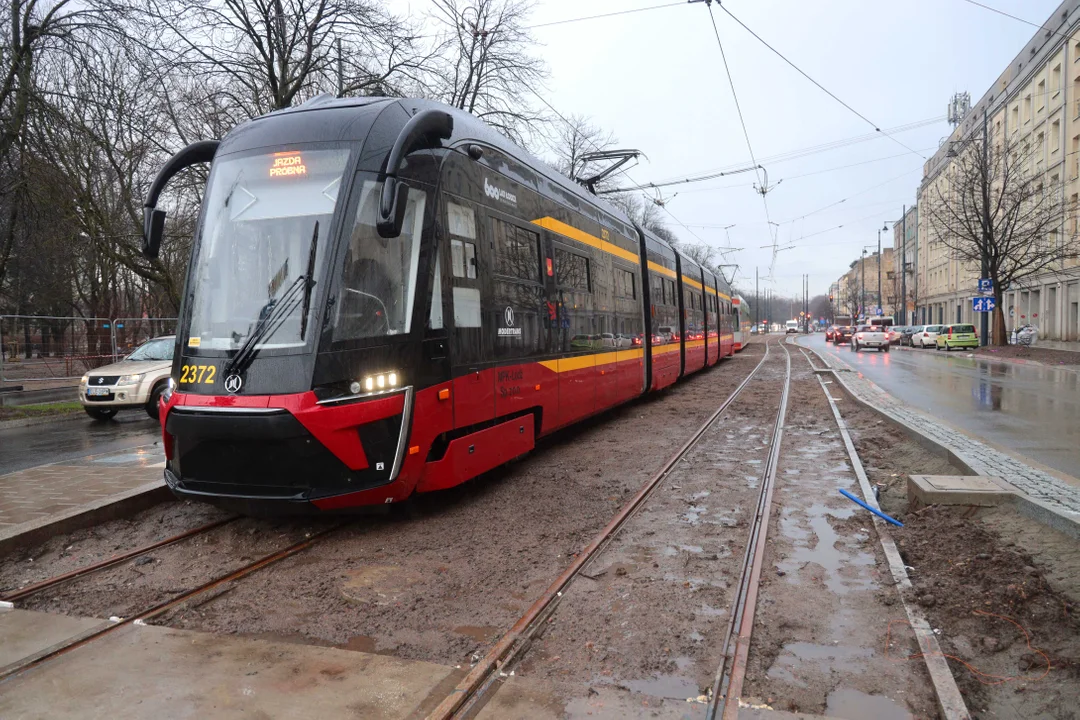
<point>664,314</point>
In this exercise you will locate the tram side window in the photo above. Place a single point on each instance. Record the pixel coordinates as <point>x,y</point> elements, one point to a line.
<point>624,284</point>
<point>517,251</point>
<point>464,256</point>
<point>669,292</point>
<point>571,271</point>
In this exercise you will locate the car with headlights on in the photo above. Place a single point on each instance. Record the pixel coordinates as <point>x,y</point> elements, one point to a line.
<point>136,382</point>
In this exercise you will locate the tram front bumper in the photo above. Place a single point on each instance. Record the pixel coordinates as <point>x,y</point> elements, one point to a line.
<point>294,451</point>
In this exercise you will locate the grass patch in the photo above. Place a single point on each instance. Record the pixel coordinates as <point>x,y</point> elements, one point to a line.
<point>41,410</point>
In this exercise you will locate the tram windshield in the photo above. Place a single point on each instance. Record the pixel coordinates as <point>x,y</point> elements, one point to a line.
<point>266,227</point>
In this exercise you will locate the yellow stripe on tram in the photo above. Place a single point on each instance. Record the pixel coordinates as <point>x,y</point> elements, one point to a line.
<point>557,226</point>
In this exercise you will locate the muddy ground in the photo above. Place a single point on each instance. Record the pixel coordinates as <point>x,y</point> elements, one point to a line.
<point>826,591</point>
<point>970,562</point>
<point>643,627</point>
<point>438,582</point>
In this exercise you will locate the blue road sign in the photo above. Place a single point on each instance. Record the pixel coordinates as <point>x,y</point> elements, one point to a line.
<point>983,304</point>
<point>986,285</point>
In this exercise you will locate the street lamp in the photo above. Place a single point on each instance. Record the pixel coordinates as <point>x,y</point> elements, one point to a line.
<point>884,228</point>
<point>862,284</point>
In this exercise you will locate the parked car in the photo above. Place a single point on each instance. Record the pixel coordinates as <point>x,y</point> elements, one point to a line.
<point>870,336</point>
<point>957,335</point>
<point>137,381</point>
<point>925,338</point>
<point>829,332</point>
<point>907,332</point>
<point>893,334</point>
<point>842,335</point>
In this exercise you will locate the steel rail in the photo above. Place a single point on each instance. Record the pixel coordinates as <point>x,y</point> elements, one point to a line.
<point>463,698</point>
<point>37,587</point>
<point>727,685</point>
<point>163,607</point>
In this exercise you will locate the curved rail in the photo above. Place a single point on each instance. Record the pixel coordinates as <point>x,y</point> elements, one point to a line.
<point>114,560</point>
<point>474,686</point>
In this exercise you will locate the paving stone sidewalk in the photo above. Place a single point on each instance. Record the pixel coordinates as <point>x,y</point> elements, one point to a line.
<point>37,493</point>
<point>979,456</point>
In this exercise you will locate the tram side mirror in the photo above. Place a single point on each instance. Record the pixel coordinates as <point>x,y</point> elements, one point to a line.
<point>395,197</point>
<point>153,229</point>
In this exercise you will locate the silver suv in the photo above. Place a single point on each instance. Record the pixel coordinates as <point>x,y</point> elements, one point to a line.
<point>137,381</point>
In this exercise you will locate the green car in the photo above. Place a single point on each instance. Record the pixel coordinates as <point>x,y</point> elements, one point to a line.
<point>960,335</point>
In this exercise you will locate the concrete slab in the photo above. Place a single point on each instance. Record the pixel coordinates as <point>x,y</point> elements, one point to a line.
<point>980,490</point>
<point>156,672</point>
<point>522,699</point>
<point>24,633</point>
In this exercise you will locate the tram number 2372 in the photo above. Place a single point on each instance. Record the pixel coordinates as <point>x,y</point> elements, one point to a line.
<point>197,374</point>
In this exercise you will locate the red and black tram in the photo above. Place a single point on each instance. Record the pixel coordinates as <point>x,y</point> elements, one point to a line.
<point>385,296</point>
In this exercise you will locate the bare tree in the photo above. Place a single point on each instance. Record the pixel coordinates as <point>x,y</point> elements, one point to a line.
<point>263,55</point>
<point>574,140</point>
<point>489,67</point>
<point>992,210</point>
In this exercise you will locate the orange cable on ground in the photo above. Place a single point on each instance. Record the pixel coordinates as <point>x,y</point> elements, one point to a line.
<point>979,674</point>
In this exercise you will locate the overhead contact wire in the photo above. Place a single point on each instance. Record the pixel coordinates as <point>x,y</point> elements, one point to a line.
<point>821,87</point>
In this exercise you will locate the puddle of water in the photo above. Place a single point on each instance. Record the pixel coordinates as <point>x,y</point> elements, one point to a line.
<point>690,548</point>
<point>702,494</point>
<point>666,686</point>
<point>359,643</point>
<point>753,462</point>
<point>854,705</point>
<point>693,514</point>
<point>480,633</point>
<point>824,550</point>
<point>696,637</point>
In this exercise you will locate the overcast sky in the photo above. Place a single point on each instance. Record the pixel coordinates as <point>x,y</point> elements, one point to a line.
<point>656,80</point>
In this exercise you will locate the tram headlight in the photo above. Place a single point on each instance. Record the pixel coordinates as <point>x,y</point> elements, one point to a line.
<point>377,383</point>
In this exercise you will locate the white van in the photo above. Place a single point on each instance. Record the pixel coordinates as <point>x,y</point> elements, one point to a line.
<point>792,326</point>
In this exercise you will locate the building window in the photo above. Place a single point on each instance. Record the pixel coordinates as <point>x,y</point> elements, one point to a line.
<point>1055,136</point>
<point>571,271</point>
<point>1076,51</point>
<point>1072,213</point>
<point>1015,117</point>
<point>517,251</point>
<point>1055,75</point>
<point>1041,102</point>
<point>1027,109</point>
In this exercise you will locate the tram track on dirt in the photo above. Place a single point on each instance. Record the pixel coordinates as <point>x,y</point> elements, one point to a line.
<point>479,685</point>
<point>57,580</point>
<point>159,609</point>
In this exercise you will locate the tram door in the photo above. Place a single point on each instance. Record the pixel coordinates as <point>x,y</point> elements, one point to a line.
<point>474,380</point>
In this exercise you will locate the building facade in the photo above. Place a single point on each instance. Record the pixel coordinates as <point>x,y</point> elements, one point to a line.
<point>857,290</point>
<point>1035,100</point>
<point>905,255</point>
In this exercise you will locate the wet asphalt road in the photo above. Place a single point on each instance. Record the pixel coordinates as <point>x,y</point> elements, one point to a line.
<point>22,448</point>
<point>1028,409</point>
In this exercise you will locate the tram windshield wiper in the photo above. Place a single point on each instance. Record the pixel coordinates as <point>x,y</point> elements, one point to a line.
<point>309,281</point>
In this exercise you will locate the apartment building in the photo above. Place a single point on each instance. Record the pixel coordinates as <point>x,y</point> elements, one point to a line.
<point>858,287</point>
<point>905,254</point>
<point>1037,99</point>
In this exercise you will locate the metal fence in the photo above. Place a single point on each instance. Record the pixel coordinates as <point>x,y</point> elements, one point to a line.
<point>37,348</point>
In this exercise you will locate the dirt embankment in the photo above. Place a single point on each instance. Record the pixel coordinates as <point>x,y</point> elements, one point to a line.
<point>1001,590</point>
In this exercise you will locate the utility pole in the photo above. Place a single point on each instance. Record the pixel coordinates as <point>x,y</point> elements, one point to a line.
<point>903,266</point>
<point>984,322</point>
<point>755,297</point>
<point>862,289</point>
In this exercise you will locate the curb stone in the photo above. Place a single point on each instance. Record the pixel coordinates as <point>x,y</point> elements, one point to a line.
<point>1010,361</point>
<point>48,419</point>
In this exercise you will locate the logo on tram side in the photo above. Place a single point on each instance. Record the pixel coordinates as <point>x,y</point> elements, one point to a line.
<point>496,193</point>
<point>233,383</point>
<point>508,319</point>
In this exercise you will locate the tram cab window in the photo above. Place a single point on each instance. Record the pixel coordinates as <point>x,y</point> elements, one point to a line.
<point>378,277</point>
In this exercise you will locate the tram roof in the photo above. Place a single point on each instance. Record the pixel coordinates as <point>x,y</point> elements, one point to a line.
<point>376,121</point>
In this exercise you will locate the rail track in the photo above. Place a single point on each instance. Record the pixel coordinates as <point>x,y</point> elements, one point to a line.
<point>33,589</point>
<point>473,691</point>
<point>160,608</point>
